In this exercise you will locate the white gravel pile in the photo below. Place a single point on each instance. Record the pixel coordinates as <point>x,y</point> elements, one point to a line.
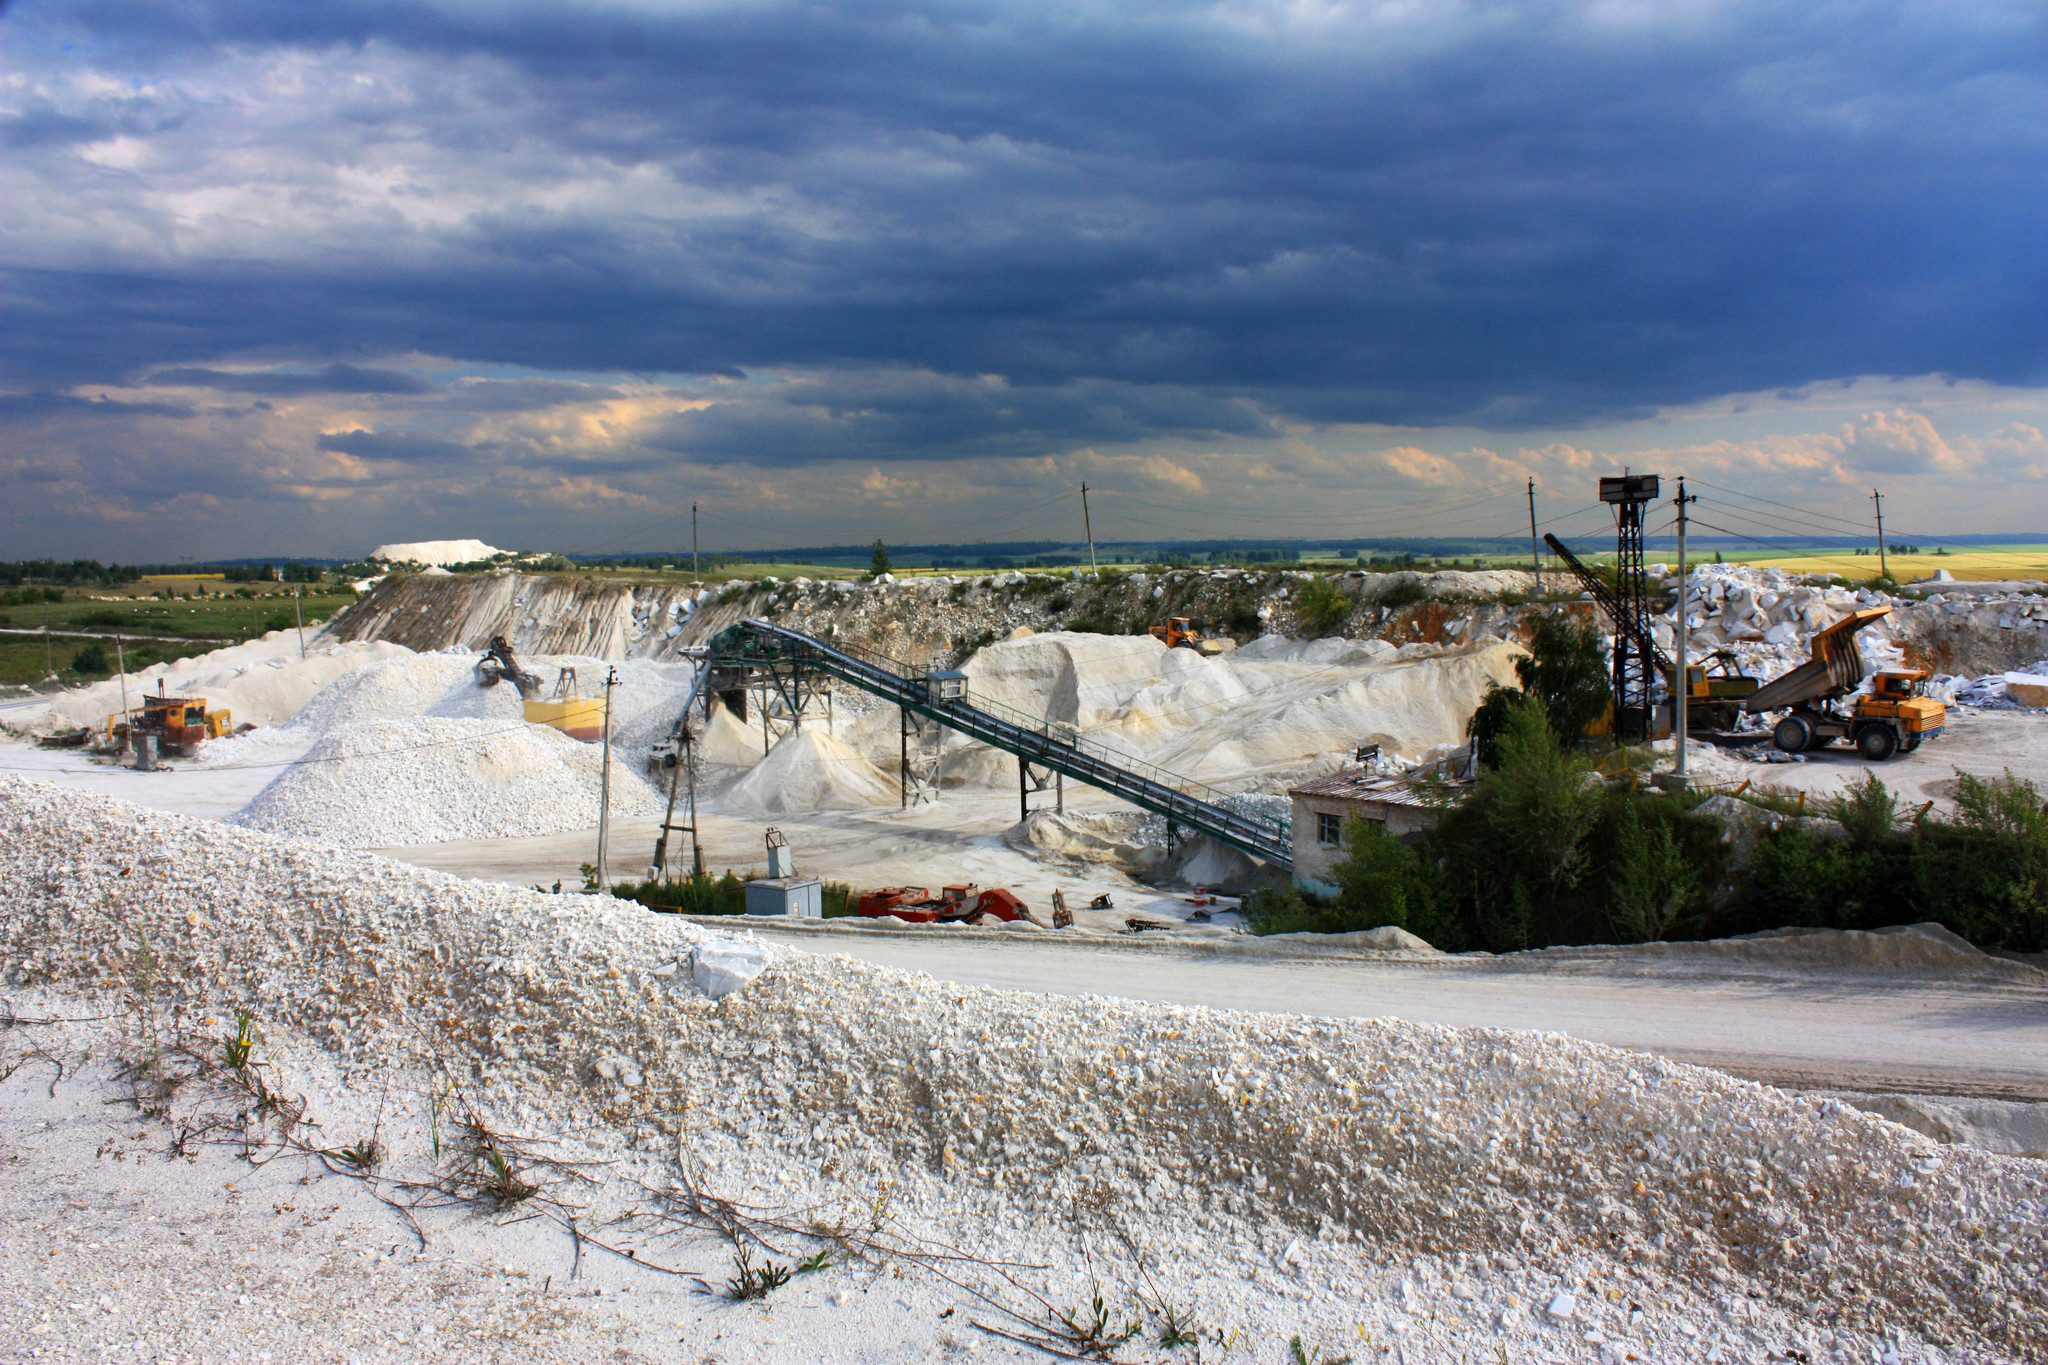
<point>431,780</point>
<point>393,689</point>
<point>261,682</point>
<point>809,770</point>
<point>1271,710</point>
<point>1396,1191</point>
<point>644,703</point>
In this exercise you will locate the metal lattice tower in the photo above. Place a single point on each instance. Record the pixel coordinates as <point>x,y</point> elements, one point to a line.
<point>1633,669</point>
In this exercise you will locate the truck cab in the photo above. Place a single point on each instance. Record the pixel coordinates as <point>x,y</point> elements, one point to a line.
<point>1899,700</point>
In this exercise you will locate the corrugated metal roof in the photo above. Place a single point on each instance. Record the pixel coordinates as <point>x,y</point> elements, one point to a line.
<point>1362,784</point>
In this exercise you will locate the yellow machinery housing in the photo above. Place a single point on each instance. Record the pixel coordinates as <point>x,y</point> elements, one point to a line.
<point>577,717</point>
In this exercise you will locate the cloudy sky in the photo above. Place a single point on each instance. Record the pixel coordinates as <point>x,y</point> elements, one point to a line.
<point>283,277</point>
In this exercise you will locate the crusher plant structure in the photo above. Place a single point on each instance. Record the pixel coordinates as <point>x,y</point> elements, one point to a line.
<point>789,662</point>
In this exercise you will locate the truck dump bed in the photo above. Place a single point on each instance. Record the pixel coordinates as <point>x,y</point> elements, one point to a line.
<point>1835,668</point>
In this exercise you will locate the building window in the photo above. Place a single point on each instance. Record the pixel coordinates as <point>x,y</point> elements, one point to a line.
<point>1329,829</point>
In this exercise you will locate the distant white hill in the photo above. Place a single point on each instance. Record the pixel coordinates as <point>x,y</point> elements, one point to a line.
<point>436,552</point>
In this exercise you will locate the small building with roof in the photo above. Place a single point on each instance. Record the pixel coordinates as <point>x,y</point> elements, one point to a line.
<point>1398,803</point>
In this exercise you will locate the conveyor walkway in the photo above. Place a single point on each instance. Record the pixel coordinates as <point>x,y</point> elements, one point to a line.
<point>1185,803</point>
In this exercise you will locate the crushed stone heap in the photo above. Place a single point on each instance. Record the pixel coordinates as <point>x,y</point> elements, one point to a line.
<point>1481,1165</point>
<point>434,779</point>
<point>809,770</point>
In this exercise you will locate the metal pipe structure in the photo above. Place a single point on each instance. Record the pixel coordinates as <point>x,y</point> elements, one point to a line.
<point>1682,680</point>
<point>604,784</point>
<point>1031,740</point>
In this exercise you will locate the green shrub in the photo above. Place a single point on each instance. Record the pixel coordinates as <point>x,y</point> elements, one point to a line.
<point>697,894</point>
<point>1322,606</point>
<point>1383,881</point>
<point>1403,594</point>
<point>90,660</point>
<point>107,616</point>
<point>1284,910</point>
<point>1982,873</point>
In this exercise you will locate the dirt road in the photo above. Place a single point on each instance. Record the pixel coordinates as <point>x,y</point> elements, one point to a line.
<point>1805,1029</point>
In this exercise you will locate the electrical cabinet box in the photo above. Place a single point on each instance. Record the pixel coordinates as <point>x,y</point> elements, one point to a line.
<point>801,897</point>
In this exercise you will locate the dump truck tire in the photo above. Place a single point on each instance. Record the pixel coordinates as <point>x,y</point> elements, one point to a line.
<point>1877,743</point>
<point>1909,743</point>
<point>1793,735</point>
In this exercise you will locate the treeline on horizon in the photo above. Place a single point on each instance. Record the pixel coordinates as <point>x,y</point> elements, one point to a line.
<point>995,554</point>
<point>973,555</point>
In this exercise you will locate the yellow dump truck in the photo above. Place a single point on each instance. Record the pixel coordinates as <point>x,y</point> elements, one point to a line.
<point>1894,715</point>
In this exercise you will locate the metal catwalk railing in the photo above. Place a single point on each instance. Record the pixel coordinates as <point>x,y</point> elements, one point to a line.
<point>1183,801</point>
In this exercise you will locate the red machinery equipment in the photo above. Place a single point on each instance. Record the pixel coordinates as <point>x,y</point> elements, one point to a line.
<point>917,905</point>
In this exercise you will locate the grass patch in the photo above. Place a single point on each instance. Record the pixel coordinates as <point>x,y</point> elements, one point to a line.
<point>700,893</point>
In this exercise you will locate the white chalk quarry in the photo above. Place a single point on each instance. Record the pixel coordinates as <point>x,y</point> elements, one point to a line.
<point>1447,1193</point>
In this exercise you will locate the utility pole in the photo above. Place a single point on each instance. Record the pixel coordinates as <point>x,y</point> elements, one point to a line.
<point>1535,558</point>
<point>1883,568</point>
<point>1089,527</point>
<point>694,579</point>
<point>121,664</point>
<point>1683,682</point>
<point>300,617</point>
<point>604,784</point>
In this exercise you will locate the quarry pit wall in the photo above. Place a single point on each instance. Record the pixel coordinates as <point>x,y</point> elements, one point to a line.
<point>931,620</point>
<point>918,620</point>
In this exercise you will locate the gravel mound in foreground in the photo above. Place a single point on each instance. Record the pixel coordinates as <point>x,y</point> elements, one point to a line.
<point>1301,1163</point>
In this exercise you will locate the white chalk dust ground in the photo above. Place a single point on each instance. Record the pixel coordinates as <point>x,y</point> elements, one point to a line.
<point>1392,1191</point>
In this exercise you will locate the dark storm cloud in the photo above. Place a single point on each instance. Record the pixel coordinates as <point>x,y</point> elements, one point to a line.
<point>67,405</point>
<point>876,415</point>
<point>1515,216</point>
<point>292,383</point>
<point>401,447</point>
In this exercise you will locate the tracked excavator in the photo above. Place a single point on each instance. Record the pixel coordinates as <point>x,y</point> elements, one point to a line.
<point>498,663</point>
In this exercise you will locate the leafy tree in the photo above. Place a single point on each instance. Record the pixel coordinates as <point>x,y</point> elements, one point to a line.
<point>1650,880</point>
<point>878,563</point>
<point>1565,671</point>
<point>1517,849</point>
<point>89,660</point>
<point>1382,881</point>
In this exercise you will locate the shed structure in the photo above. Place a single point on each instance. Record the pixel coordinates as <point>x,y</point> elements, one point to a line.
<point>1322,806</point>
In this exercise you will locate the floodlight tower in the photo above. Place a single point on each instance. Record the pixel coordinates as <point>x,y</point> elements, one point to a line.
<point>1633,669</point>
